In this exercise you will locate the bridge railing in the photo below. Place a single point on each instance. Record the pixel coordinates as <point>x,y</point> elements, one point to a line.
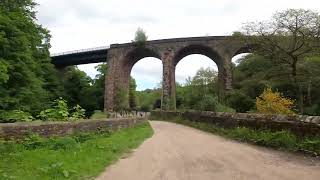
<point>80,51</point>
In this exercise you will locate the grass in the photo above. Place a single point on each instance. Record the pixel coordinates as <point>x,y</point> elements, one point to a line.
<point>82,156</point>
<point>282,140</point>
<point>98,115</point>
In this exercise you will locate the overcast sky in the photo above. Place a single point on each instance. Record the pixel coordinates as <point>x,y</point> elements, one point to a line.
<point>80,24</point>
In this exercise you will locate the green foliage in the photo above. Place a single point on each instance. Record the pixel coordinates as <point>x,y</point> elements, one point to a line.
<point>33,141</point>
<point>15,116</point>
<point>239,101</point>
<point>82,156</point>
<point>148,99</point>
<point>237,34</point>
<point>200,92</point>
<point>77,113</point>
<point>80,89</point>
<point>99,115</point>
<point>287,39</point>
<point>145,108</point>
<point>27,77</point>
<point>132,94</point>
<point>121,100</point>
<point>140,37</point>
<point>207,103</point>
<point>4,77</point>
<point>67,143</point>
<point>224,108</point>
<point>58,112</point>
<point>254,73</point>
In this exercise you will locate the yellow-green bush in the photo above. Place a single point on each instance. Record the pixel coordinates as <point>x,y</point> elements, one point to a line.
<point>270,102</point>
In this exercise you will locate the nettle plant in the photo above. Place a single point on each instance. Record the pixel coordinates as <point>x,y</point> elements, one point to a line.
<point>59,111</point>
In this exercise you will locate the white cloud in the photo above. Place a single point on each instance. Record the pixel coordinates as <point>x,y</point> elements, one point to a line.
<point>79,24</point>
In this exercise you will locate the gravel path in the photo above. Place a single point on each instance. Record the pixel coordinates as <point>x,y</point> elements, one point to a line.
<point>177,152</point>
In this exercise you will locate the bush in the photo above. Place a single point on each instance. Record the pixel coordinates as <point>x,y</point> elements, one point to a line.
<point>207,103</point>
<point>140,37</point>
<point>211,103</point>
<point>239,101</point>
<point>15,116</point>
<point>270,102</point>
<point>313,110</point>
<point>33,141</point>
<point>58,112</point>
<point>223,108</point>
<point>145,108</point>
<point>78,113</point>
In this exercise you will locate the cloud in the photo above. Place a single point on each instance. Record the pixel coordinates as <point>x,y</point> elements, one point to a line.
<point>79,24</point>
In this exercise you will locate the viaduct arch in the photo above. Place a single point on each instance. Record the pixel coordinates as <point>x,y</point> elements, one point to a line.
<point>122,57</point>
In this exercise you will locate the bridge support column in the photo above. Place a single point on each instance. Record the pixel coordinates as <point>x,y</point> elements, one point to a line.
<point>116,83</point>
<point>225,78</point>
<point>168,81</point>
<point>227,73</point>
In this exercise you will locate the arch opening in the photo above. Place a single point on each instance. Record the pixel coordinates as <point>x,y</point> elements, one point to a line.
<point>237,58</point>
<point>146,76</point>
<point>197,49</point>
<point>196,79</point>
<point>139,53</point>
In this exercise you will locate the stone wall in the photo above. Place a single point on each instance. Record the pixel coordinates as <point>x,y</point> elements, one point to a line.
<point>299,125</point>
<point>46,129</point>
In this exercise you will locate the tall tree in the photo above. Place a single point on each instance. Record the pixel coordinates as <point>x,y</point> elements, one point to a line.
<point>132,94</point>
<point>287,38</point>
<point>27,77</point>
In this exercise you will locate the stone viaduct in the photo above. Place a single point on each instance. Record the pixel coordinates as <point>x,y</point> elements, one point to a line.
<point>122,57</point>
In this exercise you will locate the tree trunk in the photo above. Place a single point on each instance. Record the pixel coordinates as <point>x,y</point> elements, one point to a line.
<point>309,93</point>
<point>298,87</point>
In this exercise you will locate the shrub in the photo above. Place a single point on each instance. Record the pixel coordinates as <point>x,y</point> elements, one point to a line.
<point>270,102</point>
<point>207,103</point>
<point>145,108</point>
<point>15,116</point>
<point>313,110</point>
<point>223,108</point>
<point>33,141</point>
<point>58,112</point>
<point>239,101</point>
<point>140,37</point>
<point>78,113</point>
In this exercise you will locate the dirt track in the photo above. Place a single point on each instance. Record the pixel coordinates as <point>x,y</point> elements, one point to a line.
<point>176,152</point>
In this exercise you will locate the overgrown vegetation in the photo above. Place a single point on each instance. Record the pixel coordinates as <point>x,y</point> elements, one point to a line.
<point>140,37</point>
<point>287,40</point>
<point>270,102</point>
<point>283,140</point>
<point>99,115</point>
<point>58,111</point>
<point>81,156</point>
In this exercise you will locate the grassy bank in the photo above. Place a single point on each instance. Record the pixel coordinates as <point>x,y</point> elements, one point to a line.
<point>282,140</point>
<point>81,156</point>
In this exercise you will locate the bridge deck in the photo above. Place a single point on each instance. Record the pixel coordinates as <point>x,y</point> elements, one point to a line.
<point>99,54</point>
